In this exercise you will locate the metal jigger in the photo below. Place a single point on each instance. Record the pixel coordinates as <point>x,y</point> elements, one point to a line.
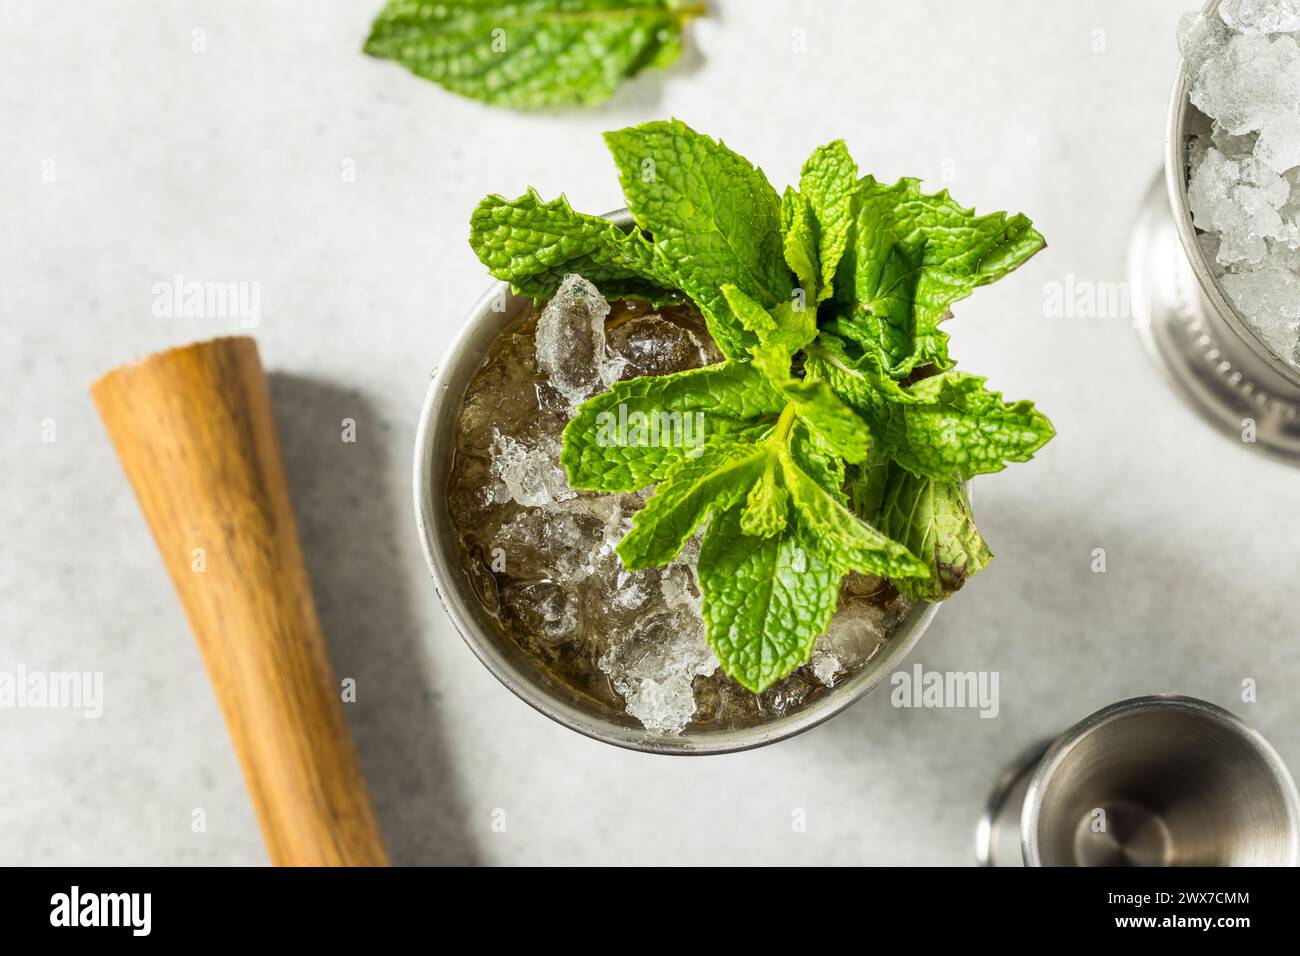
<point>1152,781</point>
<point>1215,360</point>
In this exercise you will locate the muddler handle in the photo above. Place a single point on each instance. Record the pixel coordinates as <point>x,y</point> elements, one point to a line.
<point>194,430</point>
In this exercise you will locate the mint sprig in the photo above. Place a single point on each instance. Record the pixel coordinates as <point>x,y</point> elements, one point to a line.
<point>909,258</point>
<point>829,184</point>
<point>838,435</point>
<point>948,427</point>
<point>534,244</point>
<point>531,53</point>
<point>715,218</point>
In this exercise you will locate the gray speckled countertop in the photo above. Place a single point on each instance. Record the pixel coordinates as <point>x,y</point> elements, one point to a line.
<point>226,164</point>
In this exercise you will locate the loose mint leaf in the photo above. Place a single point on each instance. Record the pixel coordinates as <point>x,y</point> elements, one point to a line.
<point>799,240</point>
<point>842,538</point>
<point>693,488</point>
<point>714,217</point>
<point>934,519</point>
<point>630,436</point>
<point>533,245</point>
<point>765,507</point>
<point>530,53</point>
<point>910,257</point>
<point>766,600</point>
<point>948,427</point>
<point>829,181</point>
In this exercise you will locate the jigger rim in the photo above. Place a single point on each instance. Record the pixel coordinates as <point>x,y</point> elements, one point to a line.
<point>1060,750</point>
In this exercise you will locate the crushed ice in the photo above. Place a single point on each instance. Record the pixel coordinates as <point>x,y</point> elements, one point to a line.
<point>1244,187</point>
<point>571,348</point>
<point>654,664</point>
<point>531,473</point>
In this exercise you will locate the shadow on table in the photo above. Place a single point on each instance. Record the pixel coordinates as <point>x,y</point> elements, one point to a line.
<point>349,517</point>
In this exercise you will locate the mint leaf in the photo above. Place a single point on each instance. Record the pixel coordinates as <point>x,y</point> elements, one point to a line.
<point>960,429</point>
<point>799,242</point>
<point>910,257</point>
<point>530,53</point>
<point>863,382</point>
<point>720,477</point>
<point>843,538</point>
<point>715,220</point>
<point>811,453</point>
<point>789,525</point>
<point>829,181</point>
<point>765,511</point>
<point>766,600</point>
<point>841,430</point>
<point>866,486</point>
<point>780,333</point>
<point>533,245</point>
<point>948,427</point>
<point>934,519</point>
<point>630,436</point>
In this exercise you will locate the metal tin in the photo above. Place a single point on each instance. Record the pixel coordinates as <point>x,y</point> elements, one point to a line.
<point>1182,783</point>
<point>517,670</point>
<point>997,835</point>
<point>1215,360</point>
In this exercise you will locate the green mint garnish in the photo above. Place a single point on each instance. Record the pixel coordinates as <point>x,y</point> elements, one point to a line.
<point>531,53</point>
<point>830,182</point>
<point>800,238</point>
<point>910,257</point>
<point>934,519</point>
<point>948,427</point>
<point>715,218</point>
<point>836,436</point>
<point>533,245</point>
<point>599,454</point>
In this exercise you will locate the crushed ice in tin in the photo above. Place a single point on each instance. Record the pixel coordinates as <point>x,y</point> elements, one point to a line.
<point>571,348</point>
<point>1243,68</point>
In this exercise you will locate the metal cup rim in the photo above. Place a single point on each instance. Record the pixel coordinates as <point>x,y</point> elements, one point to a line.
<point>436,530</point>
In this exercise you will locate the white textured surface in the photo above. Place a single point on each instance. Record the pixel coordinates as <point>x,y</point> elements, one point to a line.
<point>226,165</point>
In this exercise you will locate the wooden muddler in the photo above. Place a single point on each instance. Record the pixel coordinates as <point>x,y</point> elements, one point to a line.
<point>194,430</point>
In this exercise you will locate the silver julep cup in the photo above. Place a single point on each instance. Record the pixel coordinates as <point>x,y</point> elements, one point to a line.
<point>1152,781</point>
<point>510,664</point>
<point>1214,359</point>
